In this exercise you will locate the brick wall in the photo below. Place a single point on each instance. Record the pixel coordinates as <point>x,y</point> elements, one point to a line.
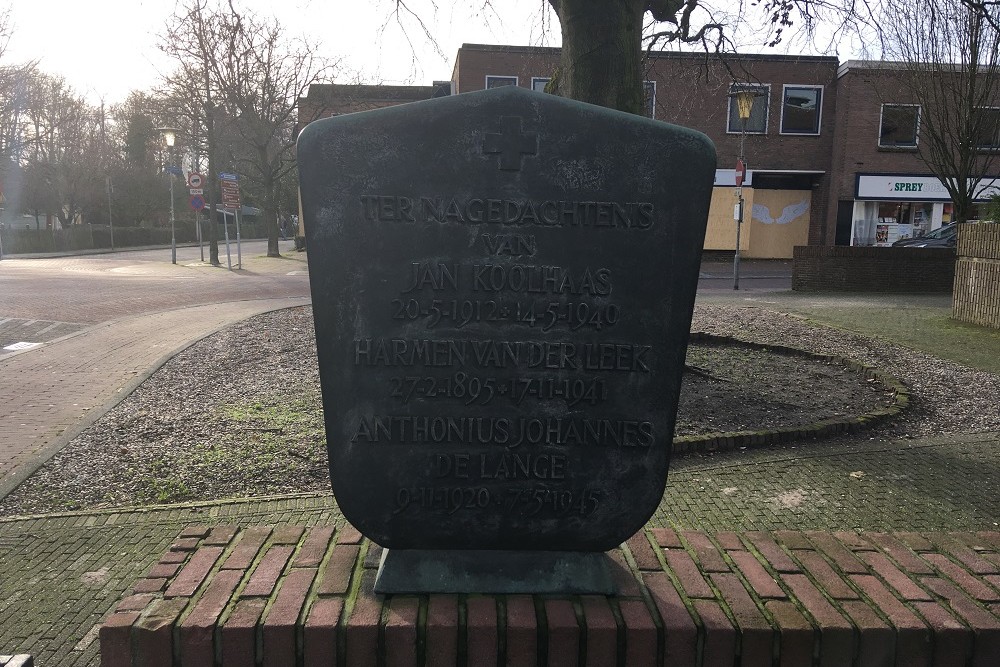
<point>977,275</point>
<point>289,596</point>
<point>856,269</point>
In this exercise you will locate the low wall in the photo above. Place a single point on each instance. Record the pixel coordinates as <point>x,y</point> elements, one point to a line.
<point>977,275</point>
<point>294,596</point>
<point>97,237</point>
<point>867,269</point>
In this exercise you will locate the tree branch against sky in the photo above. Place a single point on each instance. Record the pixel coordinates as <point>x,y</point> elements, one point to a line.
<point>948,60</point>
<point>603,42</point>
<point>262,73</point>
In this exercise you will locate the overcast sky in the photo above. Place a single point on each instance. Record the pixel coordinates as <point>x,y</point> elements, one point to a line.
<point>106,48</point>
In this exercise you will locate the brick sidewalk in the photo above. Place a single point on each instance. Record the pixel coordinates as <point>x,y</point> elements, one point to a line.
<point>53,392</point>
<point>61,574</point>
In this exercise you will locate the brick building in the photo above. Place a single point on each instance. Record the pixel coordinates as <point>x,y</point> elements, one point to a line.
<point>820,138</point>
<point>881,190</point>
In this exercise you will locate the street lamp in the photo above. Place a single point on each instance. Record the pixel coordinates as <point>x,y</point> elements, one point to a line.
<point>744,106</point>
<point>169,135</point>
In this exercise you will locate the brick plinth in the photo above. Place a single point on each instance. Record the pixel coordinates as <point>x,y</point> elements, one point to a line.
<point>276,596</point>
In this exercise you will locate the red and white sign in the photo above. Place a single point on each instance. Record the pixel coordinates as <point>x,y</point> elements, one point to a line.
<point>741,173</point>
<point>195,180</point>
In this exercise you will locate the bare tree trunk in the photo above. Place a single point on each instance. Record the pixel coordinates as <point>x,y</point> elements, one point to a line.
<point>601,59</point>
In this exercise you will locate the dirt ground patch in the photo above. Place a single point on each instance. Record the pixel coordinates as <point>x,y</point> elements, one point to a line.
<point>239,414</point>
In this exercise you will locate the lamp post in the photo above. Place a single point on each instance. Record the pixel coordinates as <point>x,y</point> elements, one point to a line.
<point>169,135</point>
<point>744,106</point>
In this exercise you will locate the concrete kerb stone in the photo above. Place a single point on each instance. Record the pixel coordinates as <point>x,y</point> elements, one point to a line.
<point>20,660</point>
<point>13,479</point>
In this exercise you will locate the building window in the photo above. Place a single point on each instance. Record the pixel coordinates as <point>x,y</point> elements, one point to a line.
<point>649,98</point>
<point>538,83</point>
<point>899,124</point>
<point>497,81</point>
<point>800,109</point>
<point>988,135</point>
<point>757,122</point>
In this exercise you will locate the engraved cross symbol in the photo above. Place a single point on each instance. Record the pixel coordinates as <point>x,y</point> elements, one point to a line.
<point>510,143</point>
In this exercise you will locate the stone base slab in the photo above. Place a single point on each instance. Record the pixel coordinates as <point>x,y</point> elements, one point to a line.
<point>507,572</point>
<point>292,596</point>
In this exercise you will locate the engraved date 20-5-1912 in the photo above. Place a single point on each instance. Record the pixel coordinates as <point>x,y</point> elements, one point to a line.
<point>543,314</point>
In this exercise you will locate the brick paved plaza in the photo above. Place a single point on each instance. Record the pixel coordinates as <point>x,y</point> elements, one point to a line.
<point>106,322</point>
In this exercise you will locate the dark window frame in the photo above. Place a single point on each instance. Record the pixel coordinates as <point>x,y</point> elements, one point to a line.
<point>916,125</point>
<point>995,146</point>
<point>513,80</point>
<point>818,110</point>
<point>649,100</point>
<point>732,116</point>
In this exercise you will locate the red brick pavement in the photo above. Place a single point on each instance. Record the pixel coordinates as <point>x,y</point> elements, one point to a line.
<point>145,309</point>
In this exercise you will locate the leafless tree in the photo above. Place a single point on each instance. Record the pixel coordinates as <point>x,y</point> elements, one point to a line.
<point>603,43</point>
<point>192,39</point>
<point>946,57</point>
<point>237,85</point>
<point>262,75</point>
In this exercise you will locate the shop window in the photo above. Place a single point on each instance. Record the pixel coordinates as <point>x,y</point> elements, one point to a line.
<point>497,81</point>
<point>757,122</point>
<point>538,83</point>
<point>649,98</point>
<point>899,124</point>
<point>800,109</point>
<point>988,135</point>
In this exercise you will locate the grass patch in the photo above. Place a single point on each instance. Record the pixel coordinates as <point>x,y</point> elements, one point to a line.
<point>921,327</point>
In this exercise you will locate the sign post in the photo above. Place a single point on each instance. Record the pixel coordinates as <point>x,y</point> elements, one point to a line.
<point>230,187</point>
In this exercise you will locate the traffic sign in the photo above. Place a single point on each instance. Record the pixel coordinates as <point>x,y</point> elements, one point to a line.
<point>197,191</point>
<point>195,180</point>
<point>230,193</point>
<point>197,202</point>
<point>224,176</point>
<point>741,172</point>
<point>176,171</point>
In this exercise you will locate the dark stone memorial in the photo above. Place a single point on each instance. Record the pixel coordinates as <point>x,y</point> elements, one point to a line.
<point>502,284</point>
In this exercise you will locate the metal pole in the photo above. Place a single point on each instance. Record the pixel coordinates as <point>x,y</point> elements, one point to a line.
<point>239,248</point>
<point>173,236</point>
<point>110,224</point>
<point>736,257</point>
<point>1,235</point>
<point>739,211</point>
<point>197,225</point>
<point>225,225</point>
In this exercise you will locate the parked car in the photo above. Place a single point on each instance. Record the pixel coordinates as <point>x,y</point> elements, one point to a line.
<point>945,236</point>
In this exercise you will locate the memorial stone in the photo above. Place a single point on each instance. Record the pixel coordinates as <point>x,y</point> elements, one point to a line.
<point>502,284</point>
